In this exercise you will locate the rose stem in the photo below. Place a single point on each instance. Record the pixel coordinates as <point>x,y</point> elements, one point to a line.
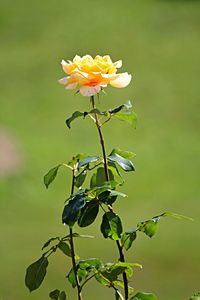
<point>119,246</point>
<point>72,247</point>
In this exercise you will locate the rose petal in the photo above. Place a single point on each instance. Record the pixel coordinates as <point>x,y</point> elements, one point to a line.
<point>67,67</point>
<point>71,86</point>
<point>89,91</point>
<point>63,80</point>
<point>118,64</point>
<point>121,81</point>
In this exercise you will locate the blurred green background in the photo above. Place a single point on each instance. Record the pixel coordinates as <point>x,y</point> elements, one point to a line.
<point>159,44</point>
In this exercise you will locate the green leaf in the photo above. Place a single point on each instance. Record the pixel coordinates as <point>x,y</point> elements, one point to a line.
<point>109,196</point>
<point>127,240</point>
<point>118,295</point>
<point>71,278</point>
<point>81,273</point>
<point>116,110</point>
<point>124,163</point>
<point>89,263</point>
<point>50,176</point>
<point>62,296</point>
<point>35,273</point>
<point>88,213</point>
<point>126,105</point>
<point>120,267</point>
<point>74,116</point>
<point>65,248</point>
<point>115,172</point>
<point>54,294</point>
<point>82,235</point>
<point>102,280</point>
<point>196,296</point>
<point>87,160</point>
<point>111,226</point>
<point>49,242</point>
<point>129,117</point>
<point>144,296</point>
<point>177,216</point>
<point>80,178</point>
<point>72,210</point>
<point>120,283</point>
<point>124,154</point>
<point>75,159</point>
<point>149,227</point>
<point>116,270</point>
<point>99,179</point>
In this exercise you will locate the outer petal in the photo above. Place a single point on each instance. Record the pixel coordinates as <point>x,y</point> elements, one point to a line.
<point>67,67</point>
<point>63,80</point>
<point>89,91</point>
<point>118,64</point>
<point>71,86</point>
<point>121,81</point>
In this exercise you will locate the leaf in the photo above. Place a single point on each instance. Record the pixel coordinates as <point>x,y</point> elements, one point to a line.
<point>71,278</point>
<point>99,179</point>
<point>144,296</point>
<point>74,116</point>
<point>127,105</point>
<point>81,273</point>
<point>102,280</point>
<point>124,154</point>
<point>65,248</point>
<point>87,160</point>
<point>50,176</point>
<point>111,226</point>
<point>54,294</point>
<point>62,296</point>
<point>127,240</point>
<point>149,227</point>
<point>177,216</point>
<point>72,210</point>
<point>106,197</point>
<point>118,295</point>
<point>116,110</point>
<point>196,296</point>
<point>83,236</point>
<point>49,242</point>
<point>88,213</point>
<point>124,163</point>
<point>80,178</point>
<point>75,159</point>
<point>120,267</point>
<point>89,263</point>
<point>129,117</point>
<point>35,273</point>
<point>109,196</point>
<point>115,172</point>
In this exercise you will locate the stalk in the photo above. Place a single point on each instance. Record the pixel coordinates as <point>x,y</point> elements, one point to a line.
<point>73,250</point>
<point>119,246</point>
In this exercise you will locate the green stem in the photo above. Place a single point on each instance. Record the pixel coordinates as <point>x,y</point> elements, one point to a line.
<point>119,246</point>
<point>73,250</point>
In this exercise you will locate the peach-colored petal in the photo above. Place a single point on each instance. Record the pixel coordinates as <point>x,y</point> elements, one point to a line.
<point>121,81</point>
<point>71,86</point>
<point>63,80</point>
<point>89,91</point>
<point>67,67</point>
<point>118,64</point>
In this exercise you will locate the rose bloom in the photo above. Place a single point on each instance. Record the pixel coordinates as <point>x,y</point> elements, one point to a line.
<point>91,75</point>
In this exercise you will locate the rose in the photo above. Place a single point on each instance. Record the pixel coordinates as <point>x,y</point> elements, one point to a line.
<point>93,74</point>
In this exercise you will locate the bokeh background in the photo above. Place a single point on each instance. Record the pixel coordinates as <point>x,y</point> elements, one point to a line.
<point>159,44</point>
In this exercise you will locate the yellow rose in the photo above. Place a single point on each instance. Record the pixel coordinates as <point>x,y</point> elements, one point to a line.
<point>93,74</point>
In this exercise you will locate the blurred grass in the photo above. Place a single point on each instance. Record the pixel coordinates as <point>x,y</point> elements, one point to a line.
<point>159,44</point>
